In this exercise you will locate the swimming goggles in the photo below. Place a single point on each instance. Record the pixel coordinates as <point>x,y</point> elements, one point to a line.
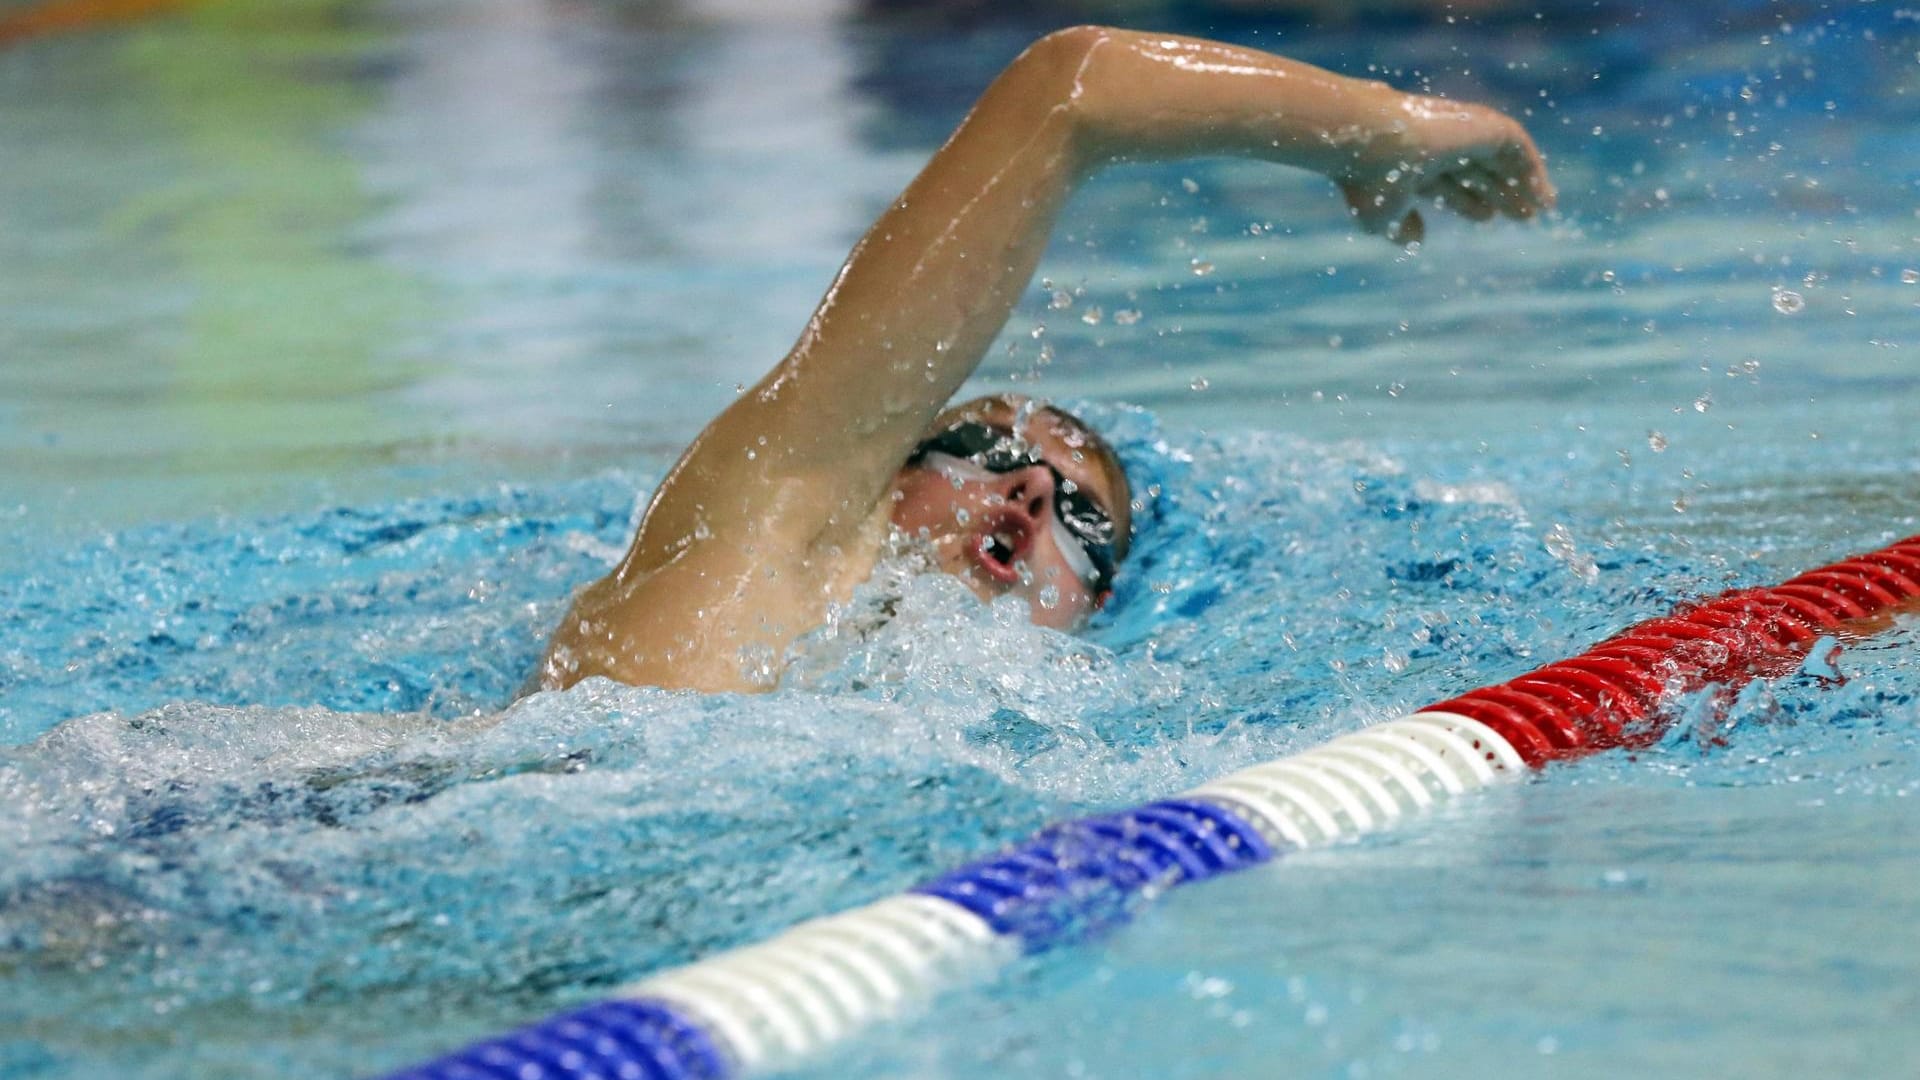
<point>1082,529</point>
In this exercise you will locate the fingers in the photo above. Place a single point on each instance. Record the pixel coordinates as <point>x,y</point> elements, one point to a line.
<point>1489,154</point>
<point>1377,209</point>
<point>1516,174</point>
<point>1491,169</point>
<point>1410,229</point>
<point>1468,200</point>
<point>1526,171</point>
<point>1478,192</point>
<point>1508,194</point>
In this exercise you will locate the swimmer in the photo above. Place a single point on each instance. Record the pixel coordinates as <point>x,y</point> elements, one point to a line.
<point>789,497</point>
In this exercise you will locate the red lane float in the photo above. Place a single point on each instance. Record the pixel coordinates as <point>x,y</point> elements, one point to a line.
<point>1609,695</point>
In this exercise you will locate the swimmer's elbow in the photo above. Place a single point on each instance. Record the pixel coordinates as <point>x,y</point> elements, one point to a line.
<point>1068,49</point>
<point>1055,81</point>
<point>1060,64</point>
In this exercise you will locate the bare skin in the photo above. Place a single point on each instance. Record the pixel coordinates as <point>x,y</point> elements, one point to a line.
<point>786,500</point>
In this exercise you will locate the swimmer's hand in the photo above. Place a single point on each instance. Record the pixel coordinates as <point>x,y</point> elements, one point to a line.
<point>1466,158</point>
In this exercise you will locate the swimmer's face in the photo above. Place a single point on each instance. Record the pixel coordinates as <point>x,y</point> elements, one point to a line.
<point>1048,527</point>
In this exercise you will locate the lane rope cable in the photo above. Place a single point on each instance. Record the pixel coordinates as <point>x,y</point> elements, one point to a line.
<point>772,1005</point>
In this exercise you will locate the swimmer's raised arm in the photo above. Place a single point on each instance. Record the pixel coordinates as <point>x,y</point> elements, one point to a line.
<point>930,285</point>
<point>784,502</point>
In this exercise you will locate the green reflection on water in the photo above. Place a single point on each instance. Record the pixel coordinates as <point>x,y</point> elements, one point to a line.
<point>194,316</point>
<point>286,360</point>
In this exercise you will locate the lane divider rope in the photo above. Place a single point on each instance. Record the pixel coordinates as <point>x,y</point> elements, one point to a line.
<point>774,1004</point>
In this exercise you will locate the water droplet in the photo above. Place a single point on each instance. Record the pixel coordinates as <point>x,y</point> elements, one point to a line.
<point>1559,544</point>
<point>1788,302</point>
<point>1092,316</point>
<point>1201,267</point>
<point>1050,597</point>
<point>1061,300</point>
<point>1199,383</point>
<point>1126,317</point>
<point>1656,442</point>
<point>961,515</point>
<point>1680,505</point>
<point>1703,403</point>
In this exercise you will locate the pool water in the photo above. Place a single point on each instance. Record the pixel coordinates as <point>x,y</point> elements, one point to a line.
<point>341,344</point>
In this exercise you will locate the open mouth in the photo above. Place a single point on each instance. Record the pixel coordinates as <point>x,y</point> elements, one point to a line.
<point>996,550</point>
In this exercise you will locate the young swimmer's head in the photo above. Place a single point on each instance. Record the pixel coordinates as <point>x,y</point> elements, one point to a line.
<point>1022,498</point>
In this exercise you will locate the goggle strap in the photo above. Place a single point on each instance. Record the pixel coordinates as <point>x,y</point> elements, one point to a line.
<point>1074,551</point>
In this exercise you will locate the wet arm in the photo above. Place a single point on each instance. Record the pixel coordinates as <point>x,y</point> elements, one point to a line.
<point>926,290</point>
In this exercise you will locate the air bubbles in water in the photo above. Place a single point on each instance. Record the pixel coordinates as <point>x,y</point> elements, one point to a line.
<point>1126,317</point>
<point>1199,383</point>
<point>1201,267</point>
<point>1788,302</point>
<point>1061,300</point>
<point>1703,403</point>
<point>1910,277</point>
<point>1656,442</point>
<point>1050,597</point>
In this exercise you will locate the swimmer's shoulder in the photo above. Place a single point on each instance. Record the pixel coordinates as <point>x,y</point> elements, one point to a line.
<point>716,617</point>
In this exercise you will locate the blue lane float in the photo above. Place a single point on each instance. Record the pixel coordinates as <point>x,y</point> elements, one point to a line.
<point>642,1040</point>
<point>775,1004</point>
<point>1082,876</point>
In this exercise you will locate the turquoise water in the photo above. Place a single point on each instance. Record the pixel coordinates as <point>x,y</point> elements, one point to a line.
<point>322,397</point>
